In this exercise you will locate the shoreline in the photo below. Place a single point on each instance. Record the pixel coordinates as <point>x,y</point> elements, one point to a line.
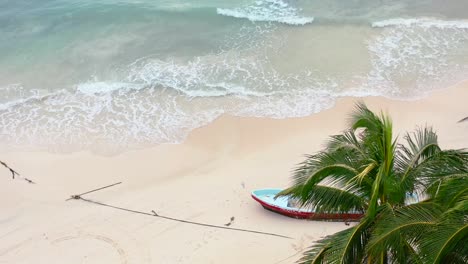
<point>207,178</point>
<point>344,105</point>
<point>105,149</point>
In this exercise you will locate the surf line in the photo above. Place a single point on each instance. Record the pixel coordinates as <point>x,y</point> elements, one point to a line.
<point>154,214</point>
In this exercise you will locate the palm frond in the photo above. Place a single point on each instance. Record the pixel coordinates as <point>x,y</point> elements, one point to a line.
<point>396,229</point>
<point>362,176</point>
<point>362,117</point>
<point>332,173</point>
<point>448,241</point>
<point>376,134</point>
<point>428,173</point>
<point>347,141</point>
<point>421,144</point>
<point>343,247</point>
<point>317,252</point>
<point>451,191</point>
<point>319,162</point>
<point>330,199</point>
<point>376,193</point>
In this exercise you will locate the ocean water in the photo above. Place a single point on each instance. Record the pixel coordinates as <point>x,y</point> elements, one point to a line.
<point>113,75</point>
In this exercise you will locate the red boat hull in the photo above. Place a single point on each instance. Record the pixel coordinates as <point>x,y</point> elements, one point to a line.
<point>309,215</point>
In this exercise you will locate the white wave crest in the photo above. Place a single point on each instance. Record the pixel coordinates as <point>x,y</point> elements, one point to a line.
<point>224,74</point>
<point>268,10</point>
<point>104,87</point>
<point>159,102</point>
<point>422,22</point>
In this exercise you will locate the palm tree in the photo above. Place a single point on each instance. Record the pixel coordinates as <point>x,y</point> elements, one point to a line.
<point>365,169</point>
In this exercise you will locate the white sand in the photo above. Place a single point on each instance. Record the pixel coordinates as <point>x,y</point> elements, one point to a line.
<point>207,179</point>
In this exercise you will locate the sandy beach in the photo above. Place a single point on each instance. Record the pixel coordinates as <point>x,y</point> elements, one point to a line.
<point>208,179</point>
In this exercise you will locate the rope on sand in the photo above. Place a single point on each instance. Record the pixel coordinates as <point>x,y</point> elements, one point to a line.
<point>15,173</point>
<point>154,214</point>
<point>78,196</point>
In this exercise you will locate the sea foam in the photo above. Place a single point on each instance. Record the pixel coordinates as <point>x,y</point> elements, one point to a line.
<point>419,53</point>
<point>425,22</point>
<point>96,87</point>
<point>158,100</point>
<point>268,11</point>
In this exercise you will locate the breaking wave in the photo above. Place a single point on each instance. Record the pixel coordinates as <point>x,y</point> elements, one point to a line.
<point>157,102</point>
<point>154,100</point>
<point>268,11</point>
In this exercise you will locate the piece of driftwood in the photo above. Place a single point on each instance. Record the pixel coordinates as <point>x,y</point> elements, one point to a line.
<point>14,173</point>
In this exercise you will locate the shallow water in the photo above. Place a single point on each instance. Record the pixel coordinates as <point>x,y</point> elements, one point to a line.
<point>112,75</point>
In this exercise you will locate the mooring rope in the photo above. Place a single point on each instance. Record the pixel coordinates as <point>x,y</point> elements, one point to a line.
<point>78,196</point>
<point>154,214</point>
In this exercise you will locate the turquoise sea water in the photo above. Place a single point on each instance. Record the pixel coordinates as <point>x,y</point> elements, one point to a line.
<point>116,74</point>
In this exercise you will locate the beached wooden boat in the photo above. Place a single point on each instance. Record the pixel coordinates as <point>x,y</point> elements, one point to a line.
<point>286,206</point>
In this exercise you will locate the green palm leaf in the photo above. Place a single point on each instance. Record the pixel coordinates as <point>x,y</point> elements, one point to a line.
<point>446,244</point>
<point>412,220</point>
<point>343,247</point>
<point>331,199</point>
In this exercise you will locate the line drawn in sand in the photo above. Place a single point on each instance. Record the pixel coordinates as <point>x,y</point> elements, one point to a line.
<point>120,251</point>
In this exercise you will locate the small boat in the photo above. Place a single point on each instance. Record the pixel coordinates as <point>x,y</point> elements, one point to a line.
<point>288,206</point>
<point>411,198</point>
